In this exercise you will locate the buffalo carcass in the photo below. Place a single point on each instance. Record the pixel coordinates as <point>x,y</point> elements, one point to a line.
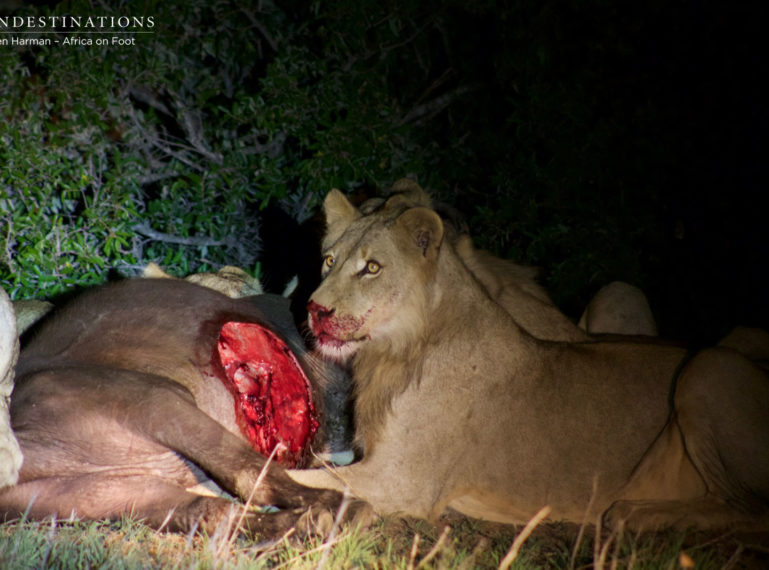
<point>133,393</point>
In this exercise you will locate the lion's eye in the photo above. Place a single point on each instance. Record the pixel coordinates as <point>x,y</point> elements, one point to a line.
<point>328,261</point>
<point>372,267</point>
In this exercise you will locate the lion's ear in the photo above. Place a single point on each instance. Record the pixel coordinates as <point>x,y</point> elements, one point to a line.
<point>425,229</point>
<point>412,192</point>
<point>340,213</point>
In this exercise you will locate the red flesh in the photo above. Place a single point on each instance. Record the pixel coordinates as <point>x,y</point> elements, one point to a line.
<point>273,405</point>
<point>328,327</point>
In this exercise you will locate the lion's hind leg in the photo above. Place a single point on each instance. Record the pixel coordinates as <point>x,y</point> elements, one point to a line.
<point>722,405</point>
<point>710,466</point>
<point>706,512</point>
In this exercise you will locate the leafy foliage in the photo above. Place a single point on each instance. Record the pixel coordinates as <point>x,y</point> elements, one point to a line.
<point>168,149</point>
<point>573,135</point>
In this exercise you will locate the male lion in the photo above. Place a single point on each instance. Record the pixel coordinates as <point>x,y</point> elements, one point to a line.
<point>458,406</point>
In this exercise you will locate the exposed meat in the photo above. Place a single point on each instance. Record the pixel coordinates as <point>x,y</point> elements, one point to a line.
<point>272,394</point>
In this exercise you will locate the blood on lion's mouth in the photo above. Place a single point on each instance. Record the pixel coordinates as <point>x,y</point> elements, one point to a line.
<point>273,404</point>
<point>336,348</point>
<point>328,340</point>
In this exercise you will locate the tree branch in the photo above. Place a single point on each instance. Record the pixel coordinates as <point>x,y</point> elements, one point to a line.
<point>272,148</point>
<point>192,123</point>
<point>147,231</point>
<point>430,108</point>
<point>262,29</point>
<point>145,95</point>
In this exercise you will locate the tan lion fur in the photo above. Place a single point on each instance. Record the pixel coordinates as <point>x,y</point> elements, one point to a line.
<point>232,281</point>
<point>10,453</point>
<point>750,341</point>
<point>512,286</point>
<point>28,312</point>
<point>458,406</point>
<point>619,308</point>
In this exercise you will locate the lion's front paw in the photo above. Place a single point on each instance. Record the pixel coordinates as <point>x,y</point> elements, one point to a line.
<point>321,522</point>
<point>360,514</point>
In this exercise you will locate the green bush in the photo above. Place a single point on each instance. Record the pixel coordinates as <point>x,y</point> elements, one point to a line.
<point>597,140</point>
<point>167,150</point>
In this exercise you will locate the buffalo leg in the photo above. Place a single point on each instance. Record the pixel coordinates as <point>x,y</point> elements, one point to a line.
<point>156,502</point>
<point>92,436</point>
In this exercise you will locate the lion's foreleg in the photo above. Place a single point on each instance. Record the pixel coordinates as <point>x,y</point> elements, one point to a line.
<point>318,479</point>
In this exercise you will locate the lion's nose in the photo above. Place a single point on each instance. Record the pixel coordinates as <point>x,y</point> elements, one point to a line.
<point>318,312</point>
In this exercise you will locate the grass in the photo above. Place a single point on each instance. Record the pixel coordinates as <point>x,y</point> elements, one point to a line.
<point>456,542</point>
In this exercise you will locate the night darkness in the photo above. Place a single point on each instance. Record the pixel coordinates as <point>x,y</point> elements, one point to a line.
<point>598,140</point>
<point>707,63</point>
<point>684,169</point>
<point>639,128</point>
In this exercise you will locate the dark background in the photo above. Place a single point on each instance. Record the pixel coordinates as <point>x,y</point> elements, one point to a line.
<point>605,140</point>
<point>598,140</point>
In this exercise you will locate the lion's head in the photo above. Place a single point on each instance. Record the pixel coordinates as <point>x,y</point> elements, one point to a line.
<point>375,274</point>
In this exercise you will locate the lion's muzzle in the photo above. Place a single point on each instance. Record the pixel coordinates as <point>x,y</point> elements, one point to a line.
<point>324,328</point>
<point>334,335</point>
<point>318,313</point>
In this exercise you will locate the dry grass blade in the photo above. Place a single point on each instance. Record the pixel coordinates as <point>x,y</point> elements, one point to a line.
<point>603,550</point>
<point>292,562</point>
<point>685,561</point>
<point>581,533</point>
<point>597,541</point>
<point>191,534</point>
<point>49,547</point>
<point>273,547</point>
<point>617,541</point>
<point>436,548</point>
<point>337,523</point>
<point>731,563</point>
<point>231,533</point>
<point>512,554</point>
<point>470,560</point>
<point>165,522</point>
<point>413,552</point>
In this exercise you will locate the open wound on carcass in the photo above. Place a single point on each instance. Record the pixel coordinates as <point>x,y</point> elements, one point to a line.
<point>273,405</point>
